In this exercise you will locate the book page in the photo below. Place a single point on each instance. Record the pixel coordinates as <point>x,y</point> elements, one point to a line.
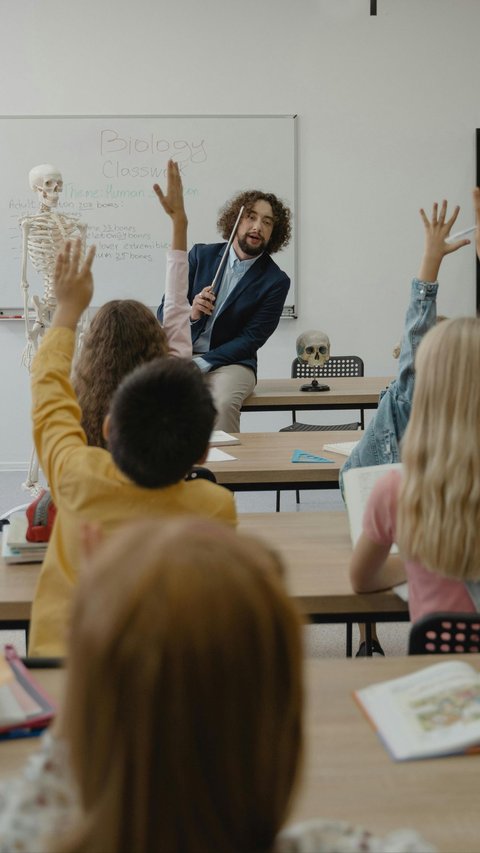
<point>10,710</point>
<point>435,711</point>
<point>358,484</point>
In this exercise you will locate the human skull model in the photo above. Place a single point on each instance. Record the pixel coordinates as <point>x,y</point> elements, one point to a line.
<point>313,347</point>
<point>48,182</point>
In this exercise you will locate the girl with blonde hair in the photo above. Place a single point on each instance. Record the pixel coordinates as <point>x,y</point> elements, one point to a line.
<point>380,443</point>
<point>431,507</point>
<point>181,730</point>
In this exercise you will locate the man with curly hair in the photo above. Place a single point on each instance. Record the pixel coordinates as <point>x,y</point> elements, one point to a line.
<point>229,325</point>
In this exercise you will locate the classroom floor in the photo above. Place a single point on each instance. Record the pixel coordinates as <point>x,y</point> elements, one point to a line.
<point>320,640</point>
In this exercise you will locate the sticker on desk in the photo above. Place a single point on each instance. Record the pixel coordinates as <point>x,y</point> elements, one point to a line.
<point>304,456</point>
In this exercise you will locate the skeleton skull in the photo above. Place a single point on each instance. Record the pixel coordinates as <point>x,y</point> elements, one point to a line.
<point>46,180</point>
<point>313,347</point>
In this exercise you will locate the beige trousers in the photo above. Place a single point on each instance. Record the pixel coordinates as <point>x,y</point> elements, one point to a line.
<point>229,386</point>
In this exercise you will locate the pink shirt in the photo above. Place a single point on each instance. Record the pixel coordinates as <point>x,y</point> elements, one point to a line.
<point>176,309</point>
<point>428,592</point>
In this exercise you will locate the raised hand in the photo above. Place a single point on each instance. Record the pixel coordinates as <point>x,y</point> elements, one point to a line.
<point>172,203</point>
<point>73,284</point>
<point>437,230</point>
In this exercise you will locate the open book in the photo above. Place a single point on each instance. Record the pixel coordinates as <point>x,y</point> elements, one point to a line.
<point>24,706</point>
<point>357,486</point>
<point>433,712</point>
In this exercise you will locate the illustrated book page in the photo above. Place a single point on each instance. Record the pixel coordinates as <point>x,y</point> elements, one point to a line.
<point>432,712</point>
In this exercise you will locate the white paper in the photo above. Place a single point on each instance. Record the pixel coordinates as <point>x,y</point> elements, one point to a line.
<point>343,447</point>
<point>218,436</point>
<point>217,455</point>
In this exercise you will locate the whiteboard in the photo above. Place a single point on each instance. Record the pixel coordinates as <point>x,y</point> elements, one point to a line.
<point>109,164</point>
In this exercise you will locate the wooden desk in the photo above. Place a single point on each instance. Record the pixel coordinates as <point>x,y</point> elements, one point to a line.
<point>345,393</point>
<point>348,774</point>
<point>316,549</point>
<point>263,461</point>
<point>17,587</point>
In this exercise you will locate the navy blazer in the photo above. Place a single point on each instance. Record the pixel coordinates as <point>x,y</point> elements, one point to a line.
<point>249,315</point>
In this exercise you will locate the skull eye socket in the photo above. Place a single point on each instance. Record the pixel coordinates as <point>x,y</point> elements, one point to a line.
<point>309,350</point>
<point>323,350</point>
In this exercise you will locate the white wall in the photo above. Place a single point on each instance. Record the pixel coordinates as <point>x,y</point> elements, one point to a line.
<point>387,108</point>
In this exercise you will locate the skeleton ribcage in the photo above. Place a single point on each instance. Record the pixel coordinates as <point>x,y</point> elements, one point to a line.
<point>46,237</point>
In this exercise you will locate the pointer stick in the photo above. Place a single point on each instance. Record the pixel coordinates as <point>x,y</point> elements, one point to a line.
<point>227,249</point>
<point>460,234</point>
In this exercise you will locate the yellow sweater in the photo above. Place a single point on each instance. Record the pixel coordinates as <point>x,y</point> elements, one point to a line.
<point>86,485</point>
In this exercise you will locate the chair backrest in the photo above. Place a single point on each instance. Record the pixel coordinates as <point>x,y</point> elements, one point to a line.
<point>337,365</point>
<point>445,633</point>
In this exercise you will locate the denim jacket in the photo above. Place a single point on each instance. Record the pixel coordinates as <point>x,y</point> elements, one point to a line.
<point>380,442</point>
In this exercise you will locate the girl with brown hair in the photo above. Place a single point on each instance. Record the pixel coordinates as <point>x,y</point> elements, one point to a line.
<point>124,333</point>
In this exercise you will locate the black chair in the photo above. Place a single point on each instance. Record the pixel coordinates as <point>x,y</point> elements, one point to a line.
<point>336,366</point>
<point>445,633</point>
<point>199,472</point>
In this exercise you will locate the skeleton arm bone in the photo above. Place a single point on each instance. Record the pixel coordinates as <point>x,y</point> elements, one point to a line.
<point>31,333</point>
<point>82,227</point>
<point>24,283</point>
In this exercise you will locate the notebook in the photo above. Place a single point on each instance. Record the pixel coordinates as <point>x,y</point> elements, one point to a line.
<point>25,708</point>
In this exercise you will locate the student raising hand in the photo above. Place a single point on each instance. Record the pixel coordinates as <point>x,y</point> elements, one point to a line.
<point>73,284</point>
<point>437,229</point>
<point>172,203</point>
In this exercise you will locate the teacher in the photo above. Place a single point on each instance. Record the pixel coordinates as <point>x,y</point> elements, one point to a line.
<point>229,326</point>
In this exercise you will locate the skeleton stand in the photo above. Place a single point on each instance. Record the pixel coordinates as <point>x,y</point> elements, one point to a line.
<point>43,236</point>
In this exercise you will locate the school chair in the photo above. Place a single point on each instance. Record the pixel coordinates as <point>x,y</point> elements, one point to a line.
<point>336,366</point>
<point>445,633</point>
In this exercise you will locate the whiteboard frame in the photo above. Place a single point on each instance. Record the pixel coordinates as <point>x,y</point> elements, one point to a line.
<point>289,311</point>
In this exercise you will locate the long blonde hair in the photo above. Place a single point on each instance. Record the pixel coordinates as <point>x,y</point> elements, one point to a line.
<point>184,697</point>
<point>439,501</point>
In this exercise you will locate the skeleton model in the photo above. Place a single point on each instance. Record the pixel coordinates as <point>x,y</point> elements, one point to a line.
<point>43,236</point>
<point>313,349</point>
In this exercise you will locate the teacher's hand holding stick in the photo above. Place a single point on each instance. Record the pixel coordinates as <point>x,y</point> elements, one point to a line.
<point>204,302</point>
